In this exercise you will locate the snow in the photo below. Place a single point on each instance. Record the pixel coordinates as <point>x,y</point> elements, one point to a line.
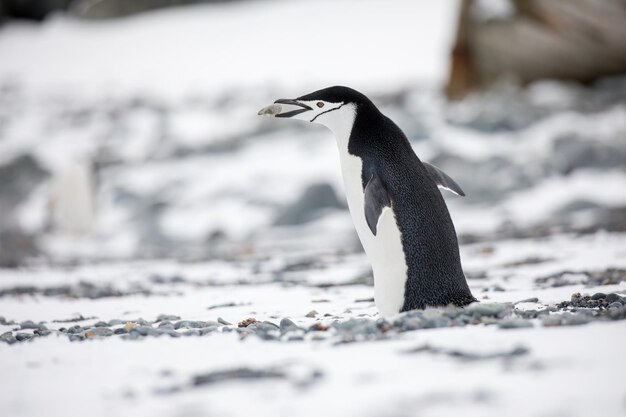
<point>235,46</point>
<point>190,182</point>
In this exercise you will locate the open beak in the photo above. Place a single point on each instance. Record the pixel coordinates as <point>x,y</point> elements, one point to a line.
<point>284,108</point>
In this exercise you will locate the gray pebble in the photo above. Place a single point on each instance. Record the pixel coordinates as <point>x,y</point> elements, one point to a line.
<point>8,337</point>
<point>76,337</point>
<point>615,304</point>
<point>311,314</point>
<point>611,298</point>
<point>287,325</point>
<point>488,309</point>
<point>224,322</point>
<point>598,296</point>
<point>514,324</point>
<point>28,324</point>
<point>188,324</point>
<point>121,330</point>
<point>169,317</point>
<point>101,331</point>
<point>208,330</point>
<point>115,322</point>
<point>528,300</point>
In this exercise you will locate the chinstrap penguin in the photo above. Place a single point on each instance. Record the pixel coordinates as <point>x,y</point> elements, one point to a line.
<point>399,214</point>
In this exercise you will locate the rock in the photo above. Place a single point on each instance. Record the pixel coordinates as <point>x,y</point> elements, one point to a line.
<point>311,204</point>
<point>115,322</point>
<point>28,324</point>
<point>611,298</point>
<point>8,338</point>
<point>21,337</point>
<point>76,329</point>
<point>121,330</point>
<point>101,324</point>
<point>168,317</point>
<point>76,337</point>
<point>287,325</point>
<point>224,322</point>
<point>488,309</point>
<point>514,324</point>
<point>246,322</point>
<point>188,324</point>
<point>311,314</point>
<point>528,300</point>
<point>98,332</point>
<point>208,330</point>
<point>42,332</point>
<point>598,296</point>
<point>237,374</point>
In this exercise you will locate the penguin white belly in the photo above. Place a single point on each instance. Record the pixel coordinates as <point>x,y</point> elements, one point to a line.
<point>383,250</point>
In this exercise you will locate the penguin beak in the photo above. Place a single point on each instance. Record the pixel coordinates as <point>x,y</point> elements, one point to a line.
<point>284,108</point>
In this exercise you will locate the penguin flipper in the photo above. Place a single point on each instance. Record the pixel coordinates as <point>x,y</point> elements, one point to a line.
<point>443,180</point>
<point>376,199</point>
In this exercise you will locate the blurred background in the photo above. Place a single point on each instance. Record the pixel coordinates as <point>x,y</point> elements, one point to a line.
<point>128,129</point>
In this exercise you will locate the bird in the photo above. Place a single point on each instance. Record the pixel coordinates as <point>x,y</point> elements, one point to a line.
<point>398,212</point>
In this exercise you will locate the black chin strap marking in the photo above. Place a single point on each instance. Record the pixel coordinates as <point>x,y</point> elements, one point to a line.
<point>324,112</point>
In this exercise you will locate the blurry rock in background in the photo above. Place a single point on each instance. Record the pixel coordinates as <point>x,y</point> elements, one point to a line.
<point>578,40</point>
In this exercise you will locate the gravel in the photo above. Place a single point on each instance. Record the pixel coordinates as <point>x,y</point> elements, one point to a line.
<point>579,310</point>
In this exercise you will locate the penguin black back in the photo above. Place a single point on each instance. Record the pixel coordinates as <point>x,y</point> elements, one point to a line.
<point>434,273</point>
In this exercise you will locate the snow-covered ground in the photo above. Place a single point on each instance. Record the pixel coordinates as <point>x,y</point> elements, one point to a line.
<point>137,181</point>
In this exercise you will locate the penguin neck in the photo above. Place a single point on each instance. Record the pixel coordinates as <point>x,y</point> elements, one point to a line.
<point>340,122</point>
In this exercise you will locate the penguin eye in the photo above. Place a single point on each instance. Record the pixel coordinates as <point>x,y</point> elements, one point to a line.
<point>320,104</point>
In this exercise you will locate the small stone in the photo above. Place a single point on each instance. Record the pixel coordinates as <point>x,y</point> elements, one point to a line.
<point>318,327</point>
<point>488,309</point>
<point>528,300</point>
<point>21,337</point>
<point>76,329</point>
<point>168,317</point>
<point>189,324</point>
<point>615,304</point>
<point>246,322</point>
<point>514,324</point>
<point>129,326</point>
<point>224,322</point>
<point>8,337</point>
<point>42,332</point>
<point>287,325</point>
<point>99,332</point>
<point>311,314</point>
<point>76,337</point>
<point>144,331</point>
<point>611,298</point>
<point>28,324</point>
<point>598,296</point>
<point>208,330</point>
<point>101,324</point>
<point>115,322</point>
<point>121,330</point>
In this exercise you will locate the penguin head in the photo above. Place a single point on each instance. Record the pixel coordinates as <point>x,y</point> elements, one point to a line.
<point>330,106</point>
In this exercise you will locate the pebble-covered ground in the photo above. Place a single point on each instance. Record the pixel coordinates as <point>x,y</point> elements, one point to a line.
<point>261,337</point>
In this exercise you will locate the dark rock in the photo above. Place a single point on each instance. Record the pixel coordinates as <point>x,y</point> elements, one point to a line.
<point>598,296</point>
<point>120,330</point>
<point>237,374</point>
<point>101,324</point>
<point>612,297</point>
<point>188,324</point>
<point>528,300</point>
<point>21,337</point>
